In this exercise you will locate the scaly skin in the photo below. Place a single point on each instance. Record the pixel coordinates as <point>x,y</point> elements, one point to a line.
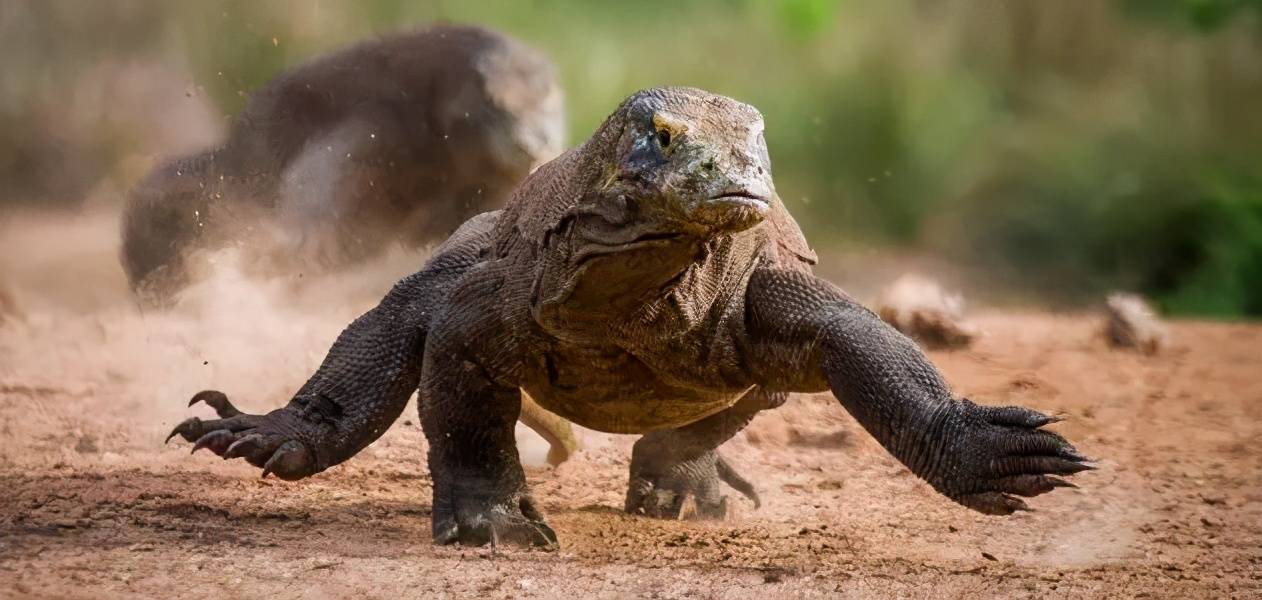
<point>647,281</point>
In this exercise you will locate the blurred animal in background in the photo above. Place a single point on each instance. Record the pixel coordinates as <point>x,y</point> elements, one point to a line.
<point>395,140</point>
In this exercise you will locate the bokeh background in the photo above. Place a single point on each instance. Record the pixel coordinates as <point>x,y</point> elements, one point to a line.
<point>1033,152</point>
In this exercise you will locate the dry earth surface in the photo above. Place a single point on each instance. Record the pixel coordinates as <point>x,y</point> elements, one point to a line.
<point>93,505</point>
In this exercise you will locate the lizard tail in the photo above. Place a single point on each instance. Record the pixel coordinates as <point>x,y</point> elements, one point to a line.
<point>554,429</point>
<point>738,483</point>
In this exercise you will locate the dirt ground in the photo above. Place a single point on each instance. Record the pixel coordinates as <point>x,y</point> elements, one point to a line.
<point>93,505</point>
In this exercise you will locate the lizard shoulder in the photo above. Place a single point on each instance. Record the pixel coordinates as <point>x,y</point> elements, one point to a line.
<point>788,242</point>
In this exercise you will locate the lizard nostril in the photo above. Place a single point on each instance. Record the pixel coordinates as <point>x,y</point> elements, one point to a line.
<point>760,171</point>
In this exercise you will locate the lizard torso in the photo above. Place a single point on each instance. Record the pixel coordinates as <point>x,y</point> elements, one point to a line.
<point>604,344</point>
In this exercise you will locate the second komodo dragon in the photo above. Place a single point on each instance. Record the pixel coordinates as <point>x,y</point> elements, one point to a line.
<point>397,139</point>
<point>648,281</point>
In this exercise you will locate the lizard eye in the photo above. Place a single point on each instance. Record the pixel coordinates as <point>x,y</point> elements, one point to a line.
<point>667,129</point>
<point>663,137</point>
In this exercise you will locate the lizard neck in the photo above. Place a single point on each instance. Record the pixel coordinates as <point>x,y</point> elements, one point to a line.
<point>649,290</point>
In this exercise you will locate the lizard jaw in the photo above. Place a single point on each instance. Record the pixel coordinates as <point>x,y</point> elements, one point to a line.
<point>731,212</point>
<point>740,200</point>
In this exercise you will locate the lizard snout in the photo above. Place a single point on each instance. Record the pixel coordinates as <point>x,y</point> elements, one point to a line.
<point>754,192</point>
<point>734,207</point>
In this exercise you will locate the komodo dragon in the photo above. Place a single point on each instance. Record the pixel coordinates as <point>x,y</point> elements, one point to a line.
<point>402,138</point>
<point>648,281</point>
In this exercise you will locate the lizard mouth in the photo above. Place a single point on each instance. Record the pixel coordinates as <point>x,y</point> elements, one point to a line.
<point>732,209</point>
<point>740,199</point>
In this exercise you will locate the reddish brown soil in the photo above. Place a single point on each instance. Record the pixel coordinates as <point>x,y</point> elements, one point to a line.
<point>92,505</point>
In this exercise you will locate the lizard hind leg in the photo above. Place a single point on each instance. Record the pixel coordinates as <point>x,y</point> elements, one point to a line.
<point>669,484</point>
<point>677,473</point>
<point>736,481</point>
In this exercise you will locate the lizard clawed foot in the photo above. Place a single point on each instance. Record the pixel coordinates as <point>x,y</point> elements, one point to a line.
<point>667,486</point>
<point>1002,453</point>
<point>481,521</point>
<point>269,441</point>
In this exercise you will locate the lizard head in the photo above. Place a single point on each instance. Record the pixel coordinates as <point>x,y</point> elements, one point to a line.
<point>689,160</point>
<point>674,182</point>
<point>522,105</point>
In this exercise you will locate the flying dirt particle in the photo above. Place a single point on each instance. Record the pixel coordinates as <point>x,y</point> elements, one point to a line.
<point>989,556</point>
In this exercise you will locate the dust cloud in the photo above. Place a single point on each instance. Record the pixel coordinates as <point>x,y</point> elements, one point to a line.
<point>69,321</point>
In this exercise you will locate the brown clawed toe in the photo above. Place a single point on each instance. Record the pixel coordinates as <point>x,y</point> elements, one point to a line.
<point>190,429</point>
<point>216,400</point>
<point>217,441</point>
<point>994,503</point>
<point>290,461</point>
<point>245,446</point>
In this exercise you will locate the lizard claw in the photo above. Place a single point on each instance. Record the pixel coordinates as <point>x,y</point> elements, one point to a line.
<point>189,429</point>
<point>218,401</point>
<point>290,461</point>
<point>217,441</point>
<point>246,446</point>
<point>495,522</point>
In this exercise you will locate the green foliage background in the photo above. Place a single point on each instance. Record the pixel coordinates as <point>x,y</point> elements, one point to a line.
<point>1065,148</point>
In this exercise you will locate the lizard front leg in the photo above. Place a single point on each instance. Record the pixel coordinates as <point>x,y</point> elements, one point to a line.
<point>361,387</point>
<point>670,465</point>
<point>480,492</point>
<point>807,335</point>
<point>359,390</point>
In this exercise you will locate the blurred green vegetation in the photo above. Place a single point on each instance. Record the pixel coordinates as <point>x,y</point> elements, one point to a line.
<point>1064,148</point>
